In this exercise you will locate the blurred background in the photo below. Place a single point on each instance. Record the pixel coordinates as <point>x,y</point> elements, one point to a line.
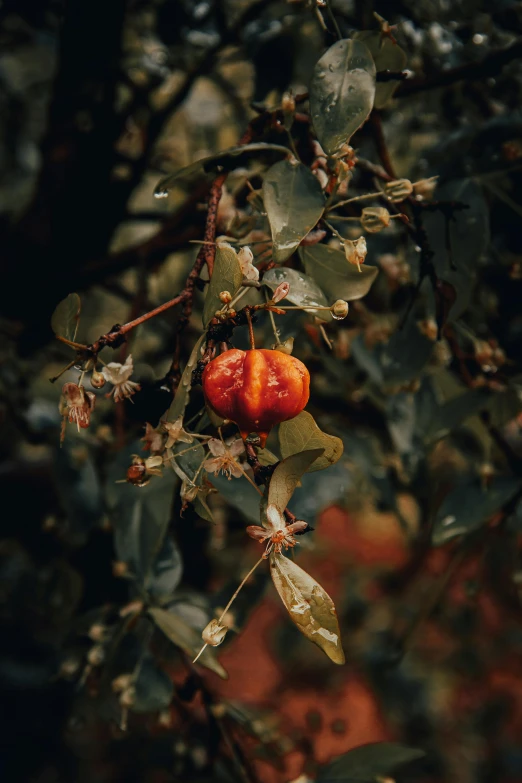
<point>98,101</point>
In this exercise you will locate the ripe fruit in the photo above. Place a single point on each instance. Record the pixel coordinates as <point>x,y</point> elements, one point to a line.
<point>256,389</point>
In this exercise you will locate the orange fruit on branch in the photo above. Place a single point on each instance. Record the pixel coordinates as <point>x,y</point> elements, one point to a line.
<point>256,389</point>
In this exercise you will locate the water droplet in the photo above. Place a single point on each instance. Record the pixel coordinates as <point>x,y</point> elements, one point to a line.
<point>338,317</point>
<point>163,193</point>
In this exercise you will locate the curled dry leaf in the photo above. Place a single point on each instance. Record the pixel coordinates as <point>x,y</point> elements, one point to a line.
<point>309,606</point>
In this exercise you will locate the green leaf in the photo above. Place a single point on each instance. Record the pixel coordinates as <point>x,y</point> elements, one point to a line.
<point>287,476</point>
<point>469,506</point>
<point>309,606</point>
<point>302,433</point>
<point>294,202</point>
<point>227,276</point>
<point>186,638</point>
<point>367,763</point>
<point>303,291</point>
<point>181,398</point>
<point>266,457</point>
<point>153,688</point>
<point>341,93</point>
<point>66,316</point>
<point>332,272</point>
<point>455,412</point>
<point>387,56</point>
<point>227,160</point>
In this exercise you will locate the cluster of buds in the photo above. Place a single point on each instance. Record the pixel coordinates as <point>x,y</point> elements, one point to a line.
<point>355,251</point>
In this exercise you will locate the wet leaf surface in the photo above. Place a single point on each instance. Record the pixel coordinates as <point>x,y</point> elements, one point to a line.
<point>287,476</point>
<point>387,56</point>
<point>341,93</point>
<point>294,202</point>
<point>309,606</point>
<point>304,292</point>
<point>227,276</point>
<point>335,276</point>
<point>369,763</point>
<point>302,433</point>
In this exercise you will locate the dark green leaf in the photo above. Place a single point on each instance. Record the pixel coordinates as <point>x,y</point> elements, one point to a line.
<point>454,412</point>
<point>227,276</point>
<point>186,638</point>
<point>294,202</point>
<point>302,433</point>
<point>239,494</point>
<point>469,505</point>
<point>332,272</point>
<point>227,160</point>
<point>303,291</point>
<point>65,319</point>
<point>288,474</point>
<point>341,93</point>
<point>153,688</point>
<point>309,606</point>
<point>367,763</point>
<point>387,56</point>
<point>181,398</point>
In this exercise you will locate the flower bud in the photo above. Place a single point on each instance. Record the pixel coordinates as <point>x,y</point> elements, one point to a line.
<point>137,474</point>
<point>280,292</point>
<point>128,697</point>
<point>288,103</point>
<point>96,655</point>
<point>121,683</point>
<point>97,379</point>
<point>374,219</point>
<point>287,346</point>
<point>97,632</point>
<point>397,190</point>
<point>214,633</point>
<point>343,170</point>
<point>120,569</point>
<point>339,309</point>
<point>424,188</point>
<point>355,251</point>
<point>225,297</point>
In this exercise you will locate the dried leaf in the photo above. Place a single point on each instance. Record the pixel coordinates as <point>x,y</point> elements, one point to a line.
<point>332,272</point>
<point>368,763</point>
<point>181,398</point>
<point>309,606</point>
<point>294,202</point>
<point>287,476</point>
<point>303,291</point>
<point>66,316</point>
<point>227,276</point>
<point>302,433</point>
<point>341,93</point>
<point>387,56</point>
<point>186,638</point>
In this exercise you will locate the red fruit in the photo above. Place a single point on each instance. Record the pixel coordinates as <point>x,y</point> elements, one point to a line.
<point>256,389</point>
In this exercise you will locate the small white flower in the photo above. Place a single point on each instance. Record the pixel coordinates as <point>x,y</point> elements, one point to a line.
<point>119,375</point>
<point>175,432</point>
<point>277,534</point>
<point>355,251</point>
<point>224,457</point>
<point>245,258</point>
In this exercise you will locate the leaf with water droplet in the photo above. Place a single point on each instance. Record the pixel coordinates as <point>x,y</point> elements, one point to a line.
<point>332,272</point>
<point>303,291</point>
<point>66,317</point>
<point>181,398</point>
<point>469,506</point>
<point>230,159</point>
<point>387,56</point>
<point>287,476</point>
<point>302,433</point>
<point>309,606</point>
<point>341,93</point>
<point>226,276</point>
<point>294,203</point>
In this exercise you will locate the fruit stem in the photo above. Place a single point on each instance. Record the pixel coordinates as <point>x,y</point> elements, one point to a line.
<point>250,329</point>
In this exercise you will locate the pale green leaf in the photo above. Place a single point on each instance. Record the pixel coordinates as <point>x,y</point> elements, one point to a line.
<point>64,321</point>
<point>226,276</point>
<point>332,272</point>
<point>341,93</point>
<point>287,476</point>
<point>294,202</point>
<point>387,56</point>
<point>303,291</point>
<point>181,398</point>
<point>186,638</point>
<point>302,433</point>
<point>309,606</point>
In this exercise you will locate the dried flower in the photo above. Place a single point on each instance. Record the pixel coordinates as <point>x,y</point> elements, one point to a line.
<point>175,432</point>
<point>214,633</point>
<point>154,439</point>
<point>245,258</point>
<point>76,405</point>
<point>355,251</point>
<point>287,346</point>
<point>280,292</point>
<point>225,297</point>
<point>224,457</point>
<point>119,375</point>
<point>339,309</point>
<point>288,103</point>
<point>141,470</point>
<point>374,219</point>
<point>398,189</point>
<point>424,188</point>
<point>277,534</point>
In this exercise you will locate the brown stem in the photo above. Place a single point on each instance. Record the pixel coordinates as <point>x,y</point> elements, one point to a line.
<point>250,329</point>
<point>380,143</point>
